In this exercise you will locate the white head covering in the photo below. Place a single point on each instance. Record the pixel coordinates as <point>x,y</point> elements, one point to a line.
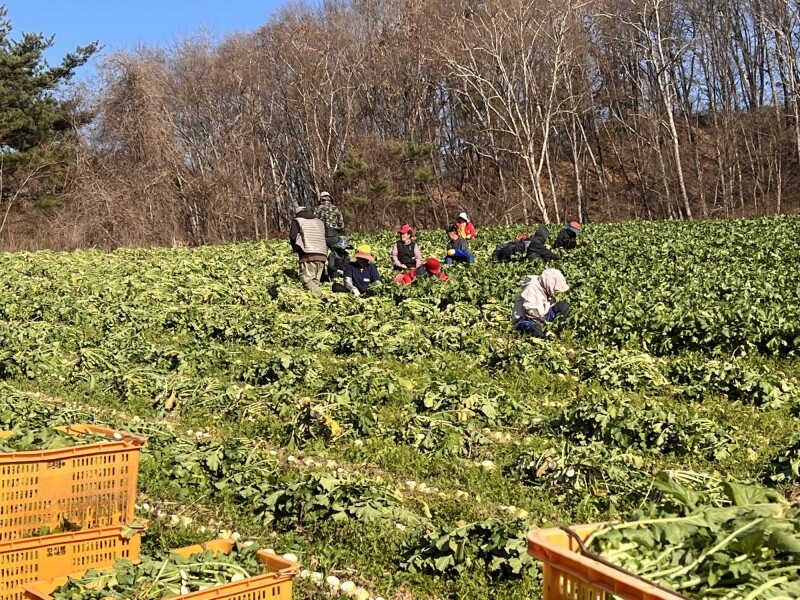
<point>553,281</point>
<point>464,216</point>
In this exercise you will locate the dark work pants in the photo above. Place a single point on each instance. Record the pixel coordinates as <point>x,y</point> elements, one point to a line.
<point>534,328</point>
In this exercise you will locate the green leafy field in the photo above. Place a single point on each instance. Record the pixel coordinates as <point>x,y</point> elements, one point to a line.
<point>408,441</point>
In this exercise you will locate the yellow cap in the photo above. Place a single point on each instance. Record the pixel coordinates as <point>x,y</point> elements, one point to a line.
<point>364,251</point>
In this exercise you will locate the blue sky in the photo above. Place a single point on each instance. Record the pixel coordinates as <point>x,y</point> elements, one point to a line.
<point>123,24</point>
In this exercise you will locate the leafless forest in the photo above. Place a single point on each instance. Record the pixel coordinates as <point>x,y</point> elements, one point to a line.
<point>412,110</point>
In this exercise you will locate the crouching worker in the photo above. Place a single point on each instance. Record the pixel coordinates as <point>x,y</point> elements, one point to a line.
<point>338,257</point>
<point>430,268</point>
<point>536,303</point>
<point>505,252</point>
<point>457,248</point>
<point>466,229</point>
<point>568,237</point>
<point>405,252</point>
<point>537,248</point>
<point>360,275</point>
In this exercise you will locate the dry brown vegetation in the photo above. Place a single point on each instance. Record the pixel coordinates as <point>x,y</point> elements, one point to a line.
<point>414,110</point>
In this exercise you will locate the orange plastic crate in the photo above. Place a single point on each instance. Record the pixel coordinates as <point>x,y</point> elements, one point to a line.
<point>274,584</point>
<point>92,485</point>
<point>50,556</point>
<point>569,575</point>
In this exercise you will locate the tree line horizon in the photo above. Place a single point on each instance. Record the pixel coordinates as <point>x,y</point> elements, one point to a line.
<point>413,111</point>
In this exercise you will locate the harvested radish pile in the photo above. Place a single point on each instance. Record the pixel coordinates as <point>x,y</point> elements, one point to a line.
<point>747,547</point>
<point>24,440</point>
<point>164,577</point>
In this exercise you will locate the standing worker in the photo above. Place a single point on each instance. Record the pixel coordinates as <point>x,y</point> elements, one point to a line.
<point>329,213</point>
<point>307,237</point>
<point>337,243</point>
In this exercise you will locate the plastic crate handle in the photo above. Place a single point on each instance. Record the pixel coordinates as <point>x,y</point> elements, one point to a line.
<point>584,551</point>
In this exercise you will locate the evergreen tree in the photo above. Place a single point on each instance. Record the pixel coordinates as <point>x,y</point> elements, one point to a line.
<point>35,124</point>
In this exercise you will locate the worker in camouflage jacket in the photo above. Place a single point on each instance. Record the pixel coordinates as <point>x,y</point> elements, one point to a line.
<point>338,244</point>
<point>329,213</point>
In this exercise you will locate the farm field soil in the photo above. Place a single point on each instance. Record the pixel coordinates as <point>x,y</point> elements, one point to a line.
<point>408,441</point>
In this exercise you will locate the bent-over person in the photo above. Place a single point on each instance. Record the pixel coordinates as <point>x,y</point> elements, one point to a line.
<point>536,304</point>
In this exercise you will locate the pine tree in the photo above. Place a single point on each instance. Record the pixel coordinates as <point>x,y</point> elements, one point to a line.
<point>36,126</point>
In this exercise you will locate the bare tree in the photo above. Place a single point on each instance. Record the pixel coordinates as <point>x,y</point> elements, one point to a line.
<point>411,109</point>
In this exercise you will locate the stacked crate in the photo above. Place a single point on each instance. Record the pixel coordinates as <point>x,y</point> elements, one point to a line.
<point>92,486</point>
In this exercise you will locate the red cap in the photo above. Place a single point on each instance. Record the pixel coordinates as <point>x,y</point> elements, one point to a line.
<point>575,224</point>
<point>433,266</point>
<point>406,229</point>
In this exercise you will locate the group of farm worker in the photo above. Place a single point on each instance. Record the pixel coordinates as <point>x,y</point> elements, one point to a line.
<point>407,258</point>
<point>316,237</point>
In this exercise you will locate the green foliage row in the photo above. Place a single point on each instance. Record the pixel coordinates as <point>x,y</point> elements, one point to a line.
<point>666,362</point>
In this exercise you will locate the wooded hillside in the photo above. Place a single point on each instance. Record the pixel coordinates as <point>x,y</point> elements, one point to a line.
<point>412,110</point>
